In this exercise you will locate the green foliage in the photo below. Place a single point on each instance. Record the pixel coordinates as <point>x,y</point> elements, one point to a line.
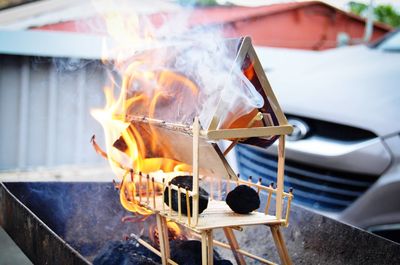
<point>357,8</point>
<point>387,14</point>
<point>382,13</point>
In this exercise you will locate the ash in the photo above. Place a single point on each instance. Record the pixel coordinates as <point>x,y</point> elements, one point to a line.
<point>129,252</point>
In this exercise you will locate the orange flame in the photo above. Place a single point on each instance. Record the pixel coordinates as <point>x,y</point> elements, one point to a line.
<point>142,90</point>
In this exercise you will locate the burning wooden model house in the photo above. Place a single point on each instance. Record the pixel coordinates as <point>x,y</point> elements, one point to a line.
<point>160,146</point>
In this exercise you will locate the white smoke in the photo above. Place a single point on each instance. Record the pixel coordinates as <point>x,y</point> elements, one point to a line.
<point>201,54</point>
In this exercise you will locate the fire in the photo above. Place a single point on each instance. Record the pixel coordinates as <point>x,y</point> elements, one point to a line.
<point>156,79</point>
<point>142,90</point>
<point>174,233</point>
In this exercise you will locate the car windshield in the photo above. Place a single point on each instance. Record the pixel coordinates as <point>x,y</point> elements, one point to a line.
<point>392,43</point>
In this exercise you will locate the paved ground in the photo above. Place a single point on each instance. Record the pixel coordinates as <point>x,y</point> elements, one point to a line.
<point>10,254</point>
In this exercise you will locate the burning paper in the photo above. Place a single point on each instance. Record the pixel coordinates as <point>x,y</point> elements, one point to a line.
<point>171,75</point>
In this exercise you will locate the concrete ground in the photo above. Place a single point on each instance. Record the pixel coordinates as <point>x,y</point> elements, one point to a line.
<point>10,254</point>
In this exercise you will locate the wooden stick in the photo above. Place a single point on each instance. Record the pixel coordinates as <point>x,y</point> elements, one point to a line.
<point>228,185</point>
<point>161,240</point>
<point>280,245</point>
<point>269,199</point>
<point>188,206</point>
<point>179,203</point>
<point>210,248</point>
<point>280,176</point>
<point>237,181</point>
<point>285,252</point>
<point>219,188</point>
<point>140,186</point>
<point>289,202</point>
<point>237,228</point>
<point>165,233</point>
<point>262,187</point>
<point>231,146</point>
<point>195,197</point>
<point>153,249</point>
<point>162,194</point>
<point>241,251</point>
<point>211,188</point>
<point>147,189</point>
<point>259,116</point>
<point>223,134</point>
<point>154,193</point>
<point>175,187</point>
<point>250,180</point>
<point>170,199</point>
<point>234,245</point>
<point>258,186</point>
<point>204,248</point>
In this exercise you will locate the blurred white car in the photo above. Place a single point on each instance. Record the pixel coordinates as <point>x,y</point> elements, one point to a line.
<point>343,158</point>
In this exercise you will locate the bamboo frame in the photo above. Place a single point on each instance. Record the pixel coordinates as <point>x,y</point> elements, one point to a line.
<point>154,250</point>
<point>195,189</point>
<point>234,245</point>
<point>201,143</point>
<point>280,176</point>
<point>280,245</point>
<point>206,235</point>
<point>161,239</point>
<point>240,251</point>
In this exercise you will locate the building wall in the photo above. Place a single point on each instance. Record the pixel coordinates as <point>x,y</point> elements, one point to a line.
<point>313,27</point>
<point>44,111</point>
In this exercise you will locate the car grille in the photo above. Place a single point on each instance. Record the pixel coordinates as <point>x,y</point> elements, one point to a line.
<point>321,189</point>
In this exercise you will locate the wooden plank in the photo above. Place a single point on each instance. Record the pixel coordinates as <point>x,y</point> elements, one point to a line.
<point>247,132</point>
<point>266,86</point>
<point>241,251</point>
<point>210,249</point>
<point>161,240</point>
<point>257,117</point>
<point>230,174</point>
<point>165,236</point>
<point>218,215</point>
<point>196,132</point>
<point>230,236</point>
<point>285,252</point>
<point>154,250</point>
<point>280,177</point>
<point>277,243</point>
<point>204,252</point>
<point>280,245</point>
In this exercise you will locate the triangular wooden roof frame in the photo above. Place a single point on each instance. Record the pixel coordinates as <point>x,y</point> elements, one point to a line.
<point>212,161</point>
<point>246,49</point>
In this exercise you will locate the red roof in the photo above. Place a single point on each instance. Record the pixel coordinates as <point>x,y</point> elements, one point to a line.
<point>232,15</point>
<point>210,16</point>
<point>222,15</point>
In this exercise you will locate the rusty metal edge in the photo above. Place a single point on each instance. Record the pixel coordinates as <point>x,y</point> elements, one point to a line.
<point>39,243</point>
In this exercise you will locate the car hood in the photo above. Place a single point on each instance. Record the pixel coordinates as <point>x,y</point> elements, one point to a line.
<point>355,86</point>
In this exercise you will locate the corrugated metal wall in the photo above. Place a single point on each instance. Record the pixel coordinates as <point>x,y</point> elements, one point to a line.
<point>45,111</point>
